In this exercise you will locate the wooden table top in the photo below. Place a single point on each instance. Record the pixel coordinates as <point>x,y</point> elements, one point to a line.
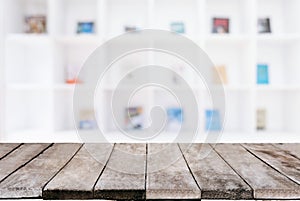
<point>229,171</point>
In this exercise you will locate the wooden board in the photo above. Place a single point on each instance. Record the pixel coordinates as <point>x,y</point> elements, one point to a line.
<point>19,157</point>
<point>28,181</point>
<point>124,175</point>
<point>266,182</point>
<point>6,148</point>
<point>77,179</point>
<point>278,159</point>
<point>290,148</point>
<point>168,176</point>
<point>231,171</point>
<point>216,179</point>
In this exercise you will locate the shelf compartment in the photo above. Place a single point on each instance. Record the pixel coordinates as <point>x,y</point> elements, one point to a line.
<point>69,60</point>
<point>122,13</point>
<point>178,73</point>
<point>282,110</point>
<point>237,110</point>
<point>235,57</point>
<point>283,61</point>
<point>29,63</point>
<point>173,109</point>
<point>70,12</point>
<point>185,12</point>
<point>283,15</point>
<point>141,98</point>
<point>16,11</point>
<point>238,12</point>
<point>27,110</point>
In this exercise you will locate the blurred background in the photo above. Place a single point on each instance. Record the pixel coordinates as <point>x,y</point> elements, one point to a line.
<point>254,45</point>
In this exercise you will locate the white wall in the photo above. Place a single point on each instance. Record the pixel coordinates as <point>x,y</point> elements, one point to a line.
<point>2,123</point>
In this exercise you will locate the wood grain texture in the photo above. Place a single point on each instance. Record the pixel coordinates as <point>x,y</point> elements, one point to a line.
<point>6,148</point>
<point>266,182</point>
<point>278,159</point>
<point>168,176</point>
<point>77,179</point>
<point>68,171</point>
<point>19,157</point>
<point>290,148</point>
<point>28,181</point>
<point>216,179</point>
<point>124,175</point>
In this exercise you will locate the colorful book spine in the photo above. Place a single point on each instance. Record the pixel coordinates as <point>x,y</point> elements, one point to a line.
<point>213,120</point>
<point>262,74</point>
<point>261,119</point>
<point>175,119</point>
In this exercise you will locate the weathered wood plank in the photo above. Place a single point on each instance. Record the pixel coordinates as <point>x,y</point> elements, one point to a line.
<point>168,176</point>
<point>266,182</point>
<point>19,157</point>
<point>278,159</point>
<point>215,177</point>
<point>290,148</point>
<point>6,148</point>
<point>124,175</point>
<point>28,181</point>
<point>77,179</point>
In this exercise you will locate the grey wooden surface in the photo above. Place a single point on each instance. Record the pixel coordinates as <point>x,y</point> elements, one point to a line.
<point>7,148</point>
<point>81,172</point>
<point>19,157</point>
<point>150,171</point>
<point>29,180</point>
<point>278,159</point>
<point>173,179</point>
<point>265,181</point>
<point>290,148</point>
<point>214,176</point>
<point>122,179</point>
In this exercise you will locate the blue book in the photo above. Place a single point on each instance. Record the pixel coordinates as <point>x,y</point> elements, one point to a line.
<point>177,27</point>
<point>85,27</point>
<point>175,118</point>
<point>175,114</point>
<point>213,120</point>
<point>262,74</point>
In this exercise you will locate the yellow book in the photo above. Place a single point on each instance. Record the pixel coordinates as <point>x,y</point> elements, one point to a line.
<point>221,72</point>
<point>261,119</point>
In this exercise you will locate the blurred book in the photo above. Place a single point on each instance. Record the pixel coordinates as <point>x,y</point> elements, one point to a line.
<point>71,74</point>
<point>220,25</point>
<point>263,25</point>
<point>87,120</point>
<point>262,74</point>
<point>85,27</point>
<point>261,119</point>
<point>134,119</point>
<point>220,74</point>
<point>128,28</point>
<point>35,24</point>
<point>177,27</point>
<point>213,120</point>
<point>175,118</point>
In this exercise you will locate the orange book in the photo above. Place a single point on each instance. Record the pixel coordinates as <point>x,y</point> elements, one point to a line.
<point>221,72</point>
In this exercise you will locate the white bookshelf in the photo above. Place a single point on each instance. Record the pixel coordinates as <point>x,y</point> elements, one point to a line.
<point>32,76</point>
